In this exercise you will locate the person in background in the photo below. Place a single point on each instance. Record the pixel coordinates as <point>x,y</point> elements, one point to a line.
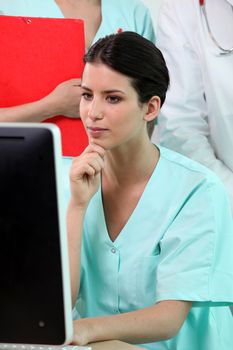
<point>100,18</point>
<point>153,228</point>
<point>153,6</point>
<point>196,38</point>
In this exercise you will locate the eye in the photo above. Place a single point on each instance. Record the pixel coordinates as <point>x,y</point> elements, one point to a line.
<point>87,96</point>
<point>113,99</point>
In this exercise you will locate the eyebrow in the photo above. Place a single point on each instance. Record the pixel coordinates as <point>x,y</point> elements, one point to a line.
<point>105,91</point>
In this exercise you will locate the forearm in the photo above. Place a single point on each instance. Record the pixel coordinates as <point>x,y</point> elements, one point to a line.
<point>155,323</point>
<point>75,217</point>
<point>36,111</point>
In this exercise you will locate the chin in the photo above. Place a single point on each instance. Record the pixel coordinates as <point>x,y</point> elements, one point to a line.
<point>98,141</point>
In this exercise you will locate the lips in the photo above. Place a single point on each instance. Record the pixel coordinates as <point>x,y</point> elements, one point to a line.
<point>95,129</point>
<point>96,132</point>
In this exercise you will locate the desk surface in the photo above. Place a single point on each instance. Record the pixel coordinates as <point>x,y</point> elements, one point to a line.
<point>113,345</point>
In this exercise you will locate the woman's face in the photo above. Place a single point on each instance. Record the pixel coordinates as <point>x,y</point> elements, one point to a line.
<point>109,107</point>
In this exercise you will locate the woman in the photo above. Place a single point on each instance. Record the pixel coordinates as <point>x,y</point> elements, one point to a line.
<point>153,228</point>
<point>100,18</point>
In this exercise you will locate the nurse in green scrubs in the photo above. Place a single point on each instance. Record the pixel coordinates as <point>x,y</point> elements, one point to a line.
<point>150,231</point>
<point>101,17</point>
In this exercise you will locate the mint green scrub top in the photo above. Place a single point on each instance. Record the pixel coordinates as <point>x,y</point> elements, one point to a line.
<point>130,15</point>
<point>176,245</point>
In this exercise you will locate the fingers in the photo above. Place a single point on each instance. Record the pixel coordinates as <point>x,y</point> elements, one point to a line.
<point>89,164</point>
<point>72,82</point>
<point>76,82</point>
<point>65,98</point>
<point>92,147</point>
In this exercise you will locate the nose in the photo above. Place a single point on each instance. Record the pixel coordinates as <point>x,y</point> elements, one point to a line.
<point>95,110</point>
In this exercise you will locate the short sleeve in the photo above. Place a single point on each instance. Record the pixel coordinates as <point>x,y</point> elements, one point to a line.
<point>196,260</point>
<point>143,22</point>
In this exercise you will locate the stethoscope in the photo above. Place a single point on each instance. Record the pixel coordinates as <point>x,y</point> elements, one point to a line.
<point>222,50</point>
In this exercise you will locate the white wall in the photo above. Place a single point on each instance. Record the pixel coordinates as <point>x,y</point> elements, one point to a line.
<point>153,6</point>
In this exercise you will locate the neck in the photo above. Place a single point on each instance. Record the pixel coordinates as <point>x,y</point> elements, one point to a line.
<point>126,168</point>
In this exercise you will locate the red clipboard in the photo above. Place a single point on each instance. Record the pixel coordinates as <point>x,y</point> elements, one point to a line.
<point>36,55</point>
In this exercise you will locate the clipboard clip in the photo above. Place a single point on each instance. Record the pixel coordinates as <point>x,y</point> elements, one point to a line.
<point>27,20</point>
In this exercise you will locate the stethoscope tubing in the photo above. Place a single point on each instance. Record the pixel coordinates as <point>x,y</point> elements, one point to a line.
<point>223,51</point>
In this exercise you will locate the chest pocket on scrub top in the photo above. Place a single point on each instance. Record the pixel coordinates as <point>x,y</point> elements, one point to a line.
<point>146,267</point>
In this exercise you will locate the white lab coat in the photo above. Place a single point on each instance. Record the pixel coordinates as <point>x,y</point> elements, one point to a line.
<point>197,117</point>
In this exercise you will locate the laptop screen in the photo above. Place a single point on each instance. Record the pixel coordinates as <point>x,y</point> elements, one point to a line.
<point>35,298</point>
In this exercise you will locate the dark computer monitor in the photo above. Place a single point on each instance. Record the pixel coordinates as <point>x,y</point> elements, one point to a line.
<point>35,296</point>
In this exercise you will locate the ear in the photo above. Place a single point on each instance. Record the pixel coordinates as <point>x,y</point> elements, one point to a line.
<point>153,107</point>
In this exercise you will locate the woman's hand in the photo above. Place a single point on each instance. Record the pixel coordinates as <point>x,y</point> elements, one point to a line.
<point>82,332</point>
<point>64,99</point>
<point>85,175</point>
